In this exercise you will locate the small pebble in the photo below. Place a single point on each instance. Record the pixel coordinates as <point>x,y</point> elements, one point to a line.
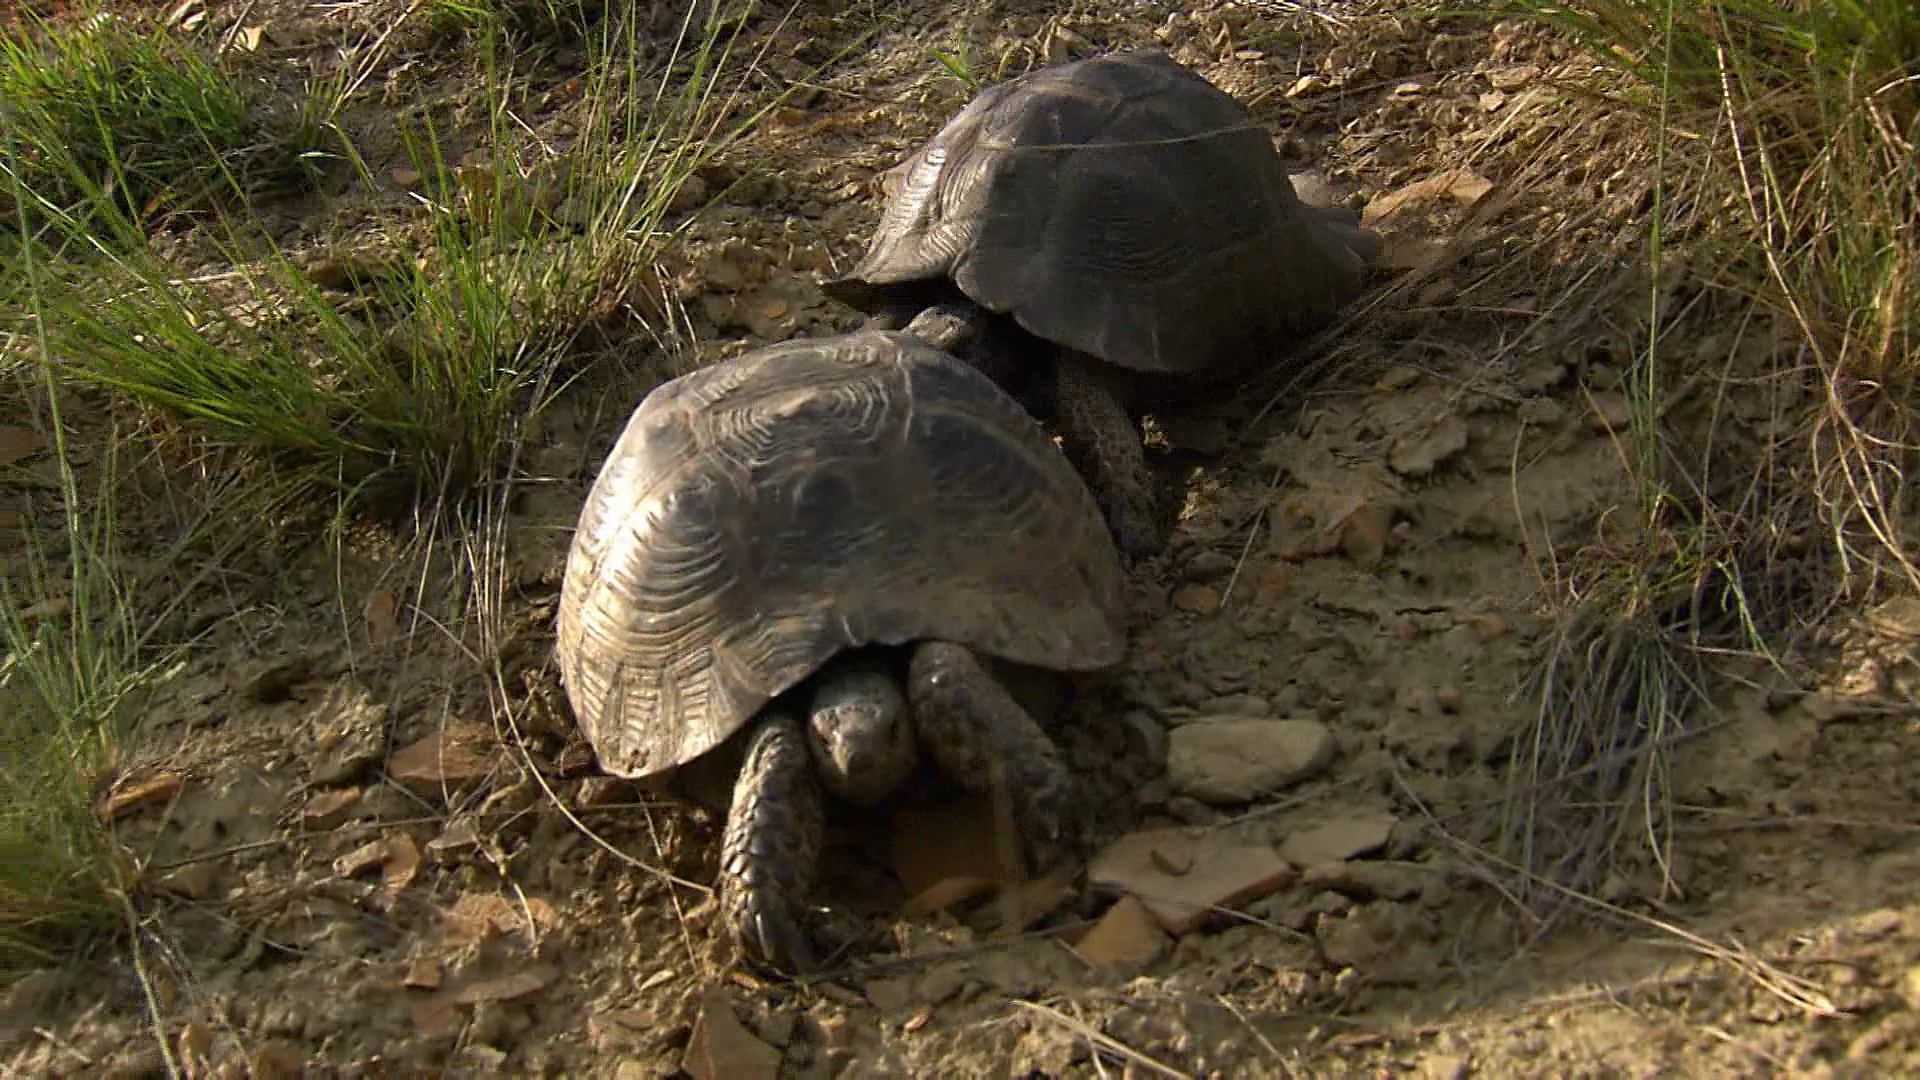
<point>1197,599</point>
<point>1209,566</point>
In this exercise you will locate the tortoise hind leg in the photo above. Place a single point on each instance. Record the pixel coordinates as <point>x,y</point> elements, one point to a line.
<point>980,736</point>
<point>772,846</point>
<point>1102,437</point>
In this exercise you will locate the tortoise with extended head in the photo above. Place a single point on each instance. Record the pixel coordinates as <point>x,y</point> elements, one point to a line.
<point>804,553</point>
<point>1125,210</point>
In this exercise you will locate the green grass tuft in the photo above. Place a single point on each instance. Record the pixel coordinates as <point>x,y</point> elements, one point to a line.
<point>68,664</point>
<point>1819,106</point>
<point>1809,114</point>
<point>400,369</point>
<point>62,681</point>
<point>101,111</point>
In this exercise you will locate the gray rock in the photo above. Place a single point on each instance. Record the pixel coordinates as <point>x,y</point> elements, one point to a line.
<point>1339,840</point>
<point>1146,736</point>
<point>352,736</point>
<point>1237,761</point>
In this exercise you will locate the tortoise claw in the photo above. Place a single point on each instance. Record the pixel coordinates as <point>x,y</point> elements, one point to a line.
<point>771,939</point>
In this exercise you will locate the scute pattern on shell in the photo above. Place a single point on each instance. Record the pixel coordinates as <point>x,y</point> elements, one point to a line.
<point>762,514</point>
<point>1122,206</point>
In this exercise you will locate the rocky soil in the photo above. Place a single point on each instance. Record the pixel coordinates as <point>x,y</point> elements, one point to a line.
<point>374,845</point>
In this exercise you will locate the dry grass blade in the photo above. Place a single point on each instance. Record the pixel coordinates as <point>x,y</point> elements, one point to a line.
<point>1100,1040</point>
<point>487,555</point>
<point>1804,118</point>
<point>1801,994</point>
<point>1589,777</point>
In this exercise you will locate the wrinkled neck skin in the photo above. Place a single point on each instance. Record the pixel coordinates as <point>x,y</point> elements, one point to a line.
<point>994,345</point>
<point>1348,249</point>
<point>859,729</point>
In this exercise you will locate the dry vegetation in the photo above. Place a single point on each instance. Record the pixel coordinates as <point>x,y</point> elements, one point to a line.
<point>259,319</point>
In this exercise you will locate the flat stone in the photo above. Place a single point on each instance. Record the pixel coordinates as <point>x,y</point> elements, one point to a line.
<point>147,791</point>
<point>1365,881</point>
<point>1023,905</point>
<point>446,760</point>
<point>1512,77</point>
<point>1306,524</point>
<point>194,881</point>
<point>423,973</point>
<point>1611,412</point>
<point>945,895</point>
<point>1910,988</point>
<point>520,983</point>
<point>1127,935</point>
<point>1461,186</point>
<point>329,809</point>
<point>721,1047</point>
<point>1209,566</point>
<point>1418,455</point>
<point>1236,761</point>
<point>1338,841</point>
<point>363,859</point>
<point>1363,538</point>
<point>1219,872</point>
<point>1197,599</point>
<point>1875,925</point>
<point>1445,1067</point>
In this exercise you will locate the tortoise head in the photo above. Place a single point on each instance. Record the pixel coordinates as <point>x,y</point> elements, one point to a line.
<point>863,745</point>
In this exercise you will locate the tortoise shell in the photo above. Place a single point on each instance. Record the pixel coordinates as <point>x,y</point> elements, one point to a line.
<point>1122,206</point>
<point>760,515</point>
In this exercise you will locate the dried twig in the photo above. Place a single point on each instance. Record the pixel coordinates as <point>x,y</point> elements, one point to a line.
<point>1801,994</point>
<point>1100,1040</point>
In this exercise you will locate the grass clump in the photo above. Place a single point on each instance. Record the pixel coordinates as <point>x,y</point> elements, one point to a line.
<point>539,23</point>
<point>1807,116</point>
<point>62,682</point>
<point>402,366</point>
<point>68,663</point>
<point>1815,109</point>
<point>101,110</point>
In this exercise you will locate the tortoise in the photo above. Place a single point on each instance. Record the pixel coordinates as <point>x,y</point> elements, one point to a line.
<point>812,555</point>
<point>1125,210</point>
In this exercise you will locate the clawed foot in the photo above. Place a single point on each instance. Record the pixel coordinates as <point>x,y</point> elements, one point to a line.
<point>772,843</point>
<point>1105,443</point>
<point>1136,533</point>
<point>979,735</point>
<point>767,935</point>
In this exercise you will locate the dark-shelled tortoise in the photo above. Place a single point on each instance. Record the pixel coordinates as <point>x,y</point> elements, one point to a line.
<point>802,555</point>
<point>1126,210</point>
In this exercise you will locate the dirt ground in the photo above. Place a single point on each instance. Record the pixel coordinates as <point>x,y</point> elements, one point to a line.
<point>363,868</point>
